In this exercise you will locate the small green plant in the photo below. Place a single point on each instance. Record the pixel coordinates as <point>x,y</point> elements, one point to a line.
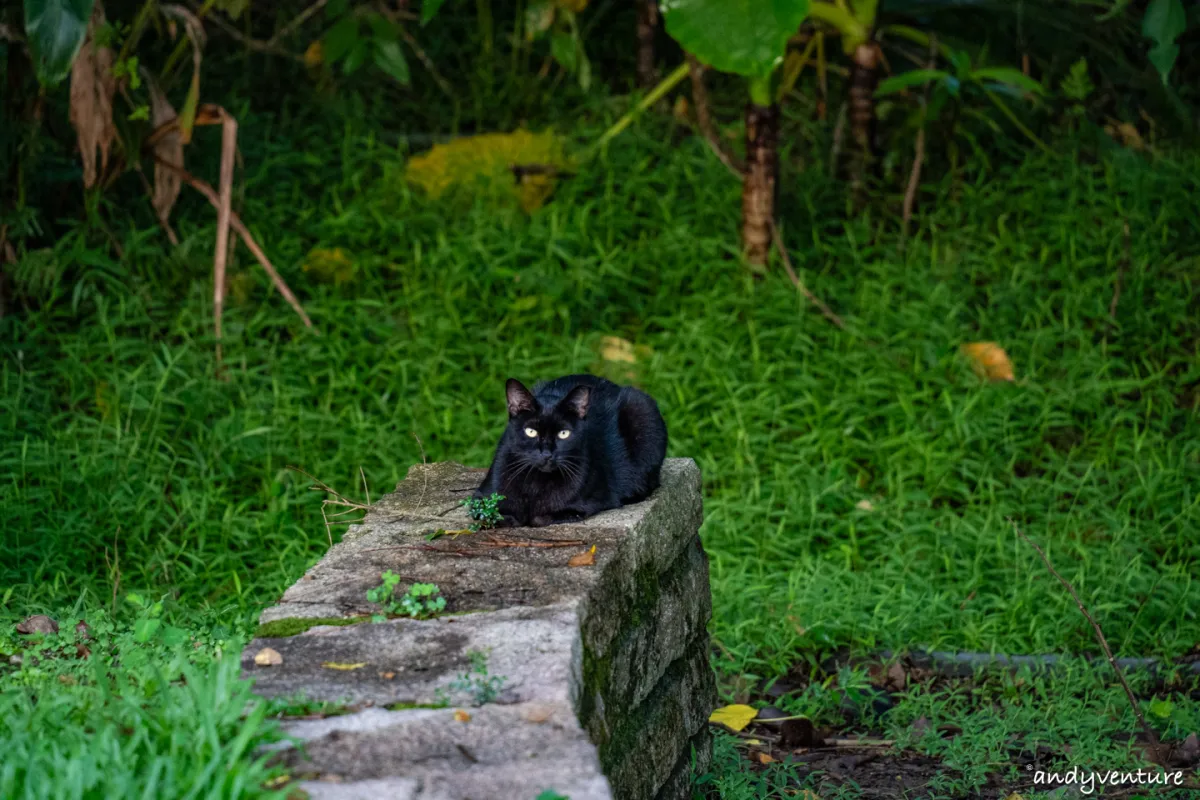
<point>482,687</point>
<point>484,510</point>
<point>550,794</point>
<point>422,600</point>
<point>1077,87</point>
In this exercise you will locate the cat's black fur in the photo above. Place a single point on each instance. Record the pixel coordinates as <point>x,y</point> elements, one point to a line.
<point>612,455</point>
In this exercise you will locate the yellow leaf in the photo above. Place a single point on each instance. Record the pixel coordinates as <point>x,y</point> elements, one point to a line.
<point>268,657</point>
<point>989,361</point>
<point>584,559</point>
<point>483,166</point>
<point>765,758</point>
<point>314,55</point>
<point>461,716</point>
<point>734,717</point>
<point>341,666</point>
<point>1015,796</point>
<point>614,348</point>
<point>865,505</point>
<point>332,264</point>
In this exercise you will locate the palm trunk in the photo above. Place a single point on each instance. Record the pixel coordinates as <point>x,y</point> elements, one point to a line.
<point>647,24</point>
<point>759,179</point>
<point>864,76</point>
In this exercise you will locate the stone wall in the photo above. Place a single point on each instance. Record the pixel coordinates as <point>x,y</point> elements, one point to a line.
<point>606,681</point>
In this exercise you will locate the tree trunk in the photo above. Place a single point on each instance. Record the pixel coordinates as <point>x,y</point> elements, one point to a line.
<point>864,76</point>
<point>647,25</point>
<point>758,181</point>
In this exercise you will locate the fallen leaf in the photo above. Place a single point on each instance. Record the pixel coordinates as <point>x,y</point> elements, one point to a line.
<point>897,678</point>
<point>461,716</point>
<point>1187,752</point>
<point>735,717</point>
<point>680,110</point>
<point>1015,796</point>
<point>38,623</point>
<point>341,666</point>
<point>538,713</point>
<point>864,505</point>
<point>92,90</point>
<point>268,657</point>
<point>989,361</point>
<point>753,742</point>
<point>387,676</point>
<point>81,630</point>
<point>765,758</point>
<point>66,680</point>
<point>168,146</point>
<point>334,265</point>
<point>799,733</point>
<point>584,559</point>
<point>614,348</point>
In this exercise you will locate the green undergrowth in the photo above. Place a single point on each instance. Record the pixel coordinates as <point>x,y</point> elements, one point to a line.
<point>122,708</point>
<point>858,483</point>
<point>988,733</point>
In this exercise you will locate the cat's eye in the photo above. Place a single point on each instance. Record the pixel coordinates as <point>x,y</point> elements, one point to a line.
<point>563,434</point>
<point>530,432</point>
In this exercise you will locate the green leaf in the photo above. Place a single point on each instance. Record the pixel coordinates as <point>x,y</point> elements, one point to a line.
<point>1010,76</point>
<point>339,39</point>
<point>429,10</point>
<point>1164,21</point>
<point>907,80</point>
<point>55,30</point>
<point>383,29</point>
<point>539,16</point>
<point>562,47</point>
<point>745,37</point>
<point>357,56</point>
<point>144,629</point>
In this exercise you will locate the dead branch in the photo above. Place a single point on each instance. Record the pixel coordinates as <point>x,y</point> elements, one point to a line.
<point>839,133</point>
<point>914,177</point>
<point>1121,267</point>
<point>704,117</point>
<point>299,20</point>
<point>1151,736</point>
<point>236,222</point>
<point>812,298</point>
<point>224,212</point>
<point>492,541</point>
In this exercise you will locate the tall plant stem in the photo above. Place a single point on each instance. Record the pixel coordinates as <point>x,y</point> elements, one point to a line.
<point>665,85</point>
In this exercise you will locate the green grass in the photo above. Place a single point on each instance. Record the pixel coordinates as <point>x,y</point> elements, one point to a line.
<point>121,454</point>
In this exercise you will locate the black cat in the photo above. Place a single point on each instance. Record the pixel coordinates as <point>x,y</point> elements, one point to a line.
<point>574,447</point>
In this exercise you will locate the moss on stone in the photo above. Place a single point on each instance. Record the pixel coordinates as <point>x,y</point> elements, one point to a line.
<point>290,626</point>
<point>406,706</point>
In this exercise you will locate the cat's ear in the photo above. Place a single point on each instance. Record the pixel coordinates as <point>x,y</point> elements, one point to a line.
<point>520,400</point>
<point>576,401</point>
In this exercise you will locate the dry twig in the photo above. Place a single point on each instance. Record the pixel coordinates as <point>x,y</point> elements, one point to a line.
<point>1151,736</point>
<point>224,213</point>
<point>1121,267</point>
<point>704,118</point>
<point>812,298</point>
<point>914,177</point>
<point>236,222</point>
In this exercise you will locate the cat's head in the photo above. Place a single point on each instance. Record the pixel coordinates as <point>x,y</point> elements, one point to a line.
<point>546,439</point>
